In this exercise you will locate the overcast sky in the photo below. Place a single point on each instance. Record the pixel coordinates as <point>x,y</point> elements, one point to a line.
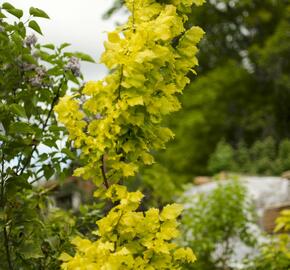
<point>78,22</point>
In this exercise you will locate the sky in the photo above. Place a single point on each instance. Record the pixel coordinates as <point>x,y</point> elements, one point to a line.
<point>78,22</point>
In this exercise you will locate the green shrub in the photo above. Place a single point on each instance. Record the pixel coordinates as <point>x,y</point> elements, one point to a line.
<point>37,234</point>
<point>213,220</point>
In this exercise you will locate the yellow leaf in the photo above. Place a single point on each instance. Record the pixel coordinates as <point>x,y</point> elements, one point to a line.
<point>65,257</point>
<point>135,101</point>
<point>184,254</point>
<point>117,192</point>
<point>113,37</point>
<point>171,211</point>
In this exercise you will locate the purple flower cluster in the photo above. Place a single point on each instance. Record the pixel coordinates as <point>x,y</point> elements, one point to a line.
<point>36,80</point>
<point>74,66</point>
<point>30,41</point>
<point>27,66</point>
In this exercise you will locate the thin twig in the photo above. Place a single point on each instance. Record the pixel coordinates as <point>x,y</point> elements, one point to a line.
<point>120,82</point>
<point>2,179</point>
<point>103,168</point>
<point>133,16</point>
<point>37,179</point>
<point>6,243</point>
<point>2,204</point>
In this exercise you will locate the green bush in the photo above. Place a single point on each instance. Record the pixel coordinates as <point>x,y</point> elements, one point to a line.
<point>37,234</point>
<point>213,220</point>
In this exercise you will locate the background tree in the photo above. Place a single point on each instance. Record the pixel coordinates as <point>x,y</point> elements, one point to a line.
<point>243,92</point>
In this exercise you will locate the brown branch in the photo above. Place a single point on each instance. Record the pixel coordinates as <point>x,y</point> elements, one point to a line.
<point>6,243</point>
<point>120,82</point>
<point>2,180</point>
<point>133,17</point>
<point>103,168</point>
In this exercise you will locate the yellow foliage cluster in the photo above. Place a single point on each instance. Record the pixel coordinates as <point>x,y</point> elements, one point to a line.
<point>120,116</point>
<point>131,240</point>
<point>116,122</point>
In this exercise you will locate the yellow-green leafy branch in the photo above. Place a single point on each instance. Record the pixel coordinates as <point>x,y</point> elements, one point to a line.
<point>120,123</point>
<point>148,74</point>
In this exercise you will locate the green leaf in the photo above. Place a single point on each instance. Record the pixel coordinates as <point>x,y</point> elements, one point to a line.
<point>29,58</point>
<point>15,12</point>
<point>18,109</point>
<point>34,25</point>
<point>31,249</point>
<point>69,153</point>
<point>84,57</point>
<point>36,12</point>
<point>55,128</point>
<point>18,40</point>
<point>49,46</point>
<point>53,241</point>
<point>2,16</point>
<point>15,183</point>
<point>64,45</point>
<point>3,138</point>
<point>7,6</point>
<point>48,171</point>
<point>43,157</point>
<point>20,127</point>
<point>21,29</point>
<point>49,143</point>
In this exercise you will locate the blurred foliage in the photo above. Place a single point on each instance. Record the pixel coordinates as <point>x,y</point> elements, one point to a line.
<point>264,157</point>
<point>243,91</point>
<point>86,218</point>
<point>213,224</point>
<point>32,79</point>
<point>117,5</point>
<point>275,254</point>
